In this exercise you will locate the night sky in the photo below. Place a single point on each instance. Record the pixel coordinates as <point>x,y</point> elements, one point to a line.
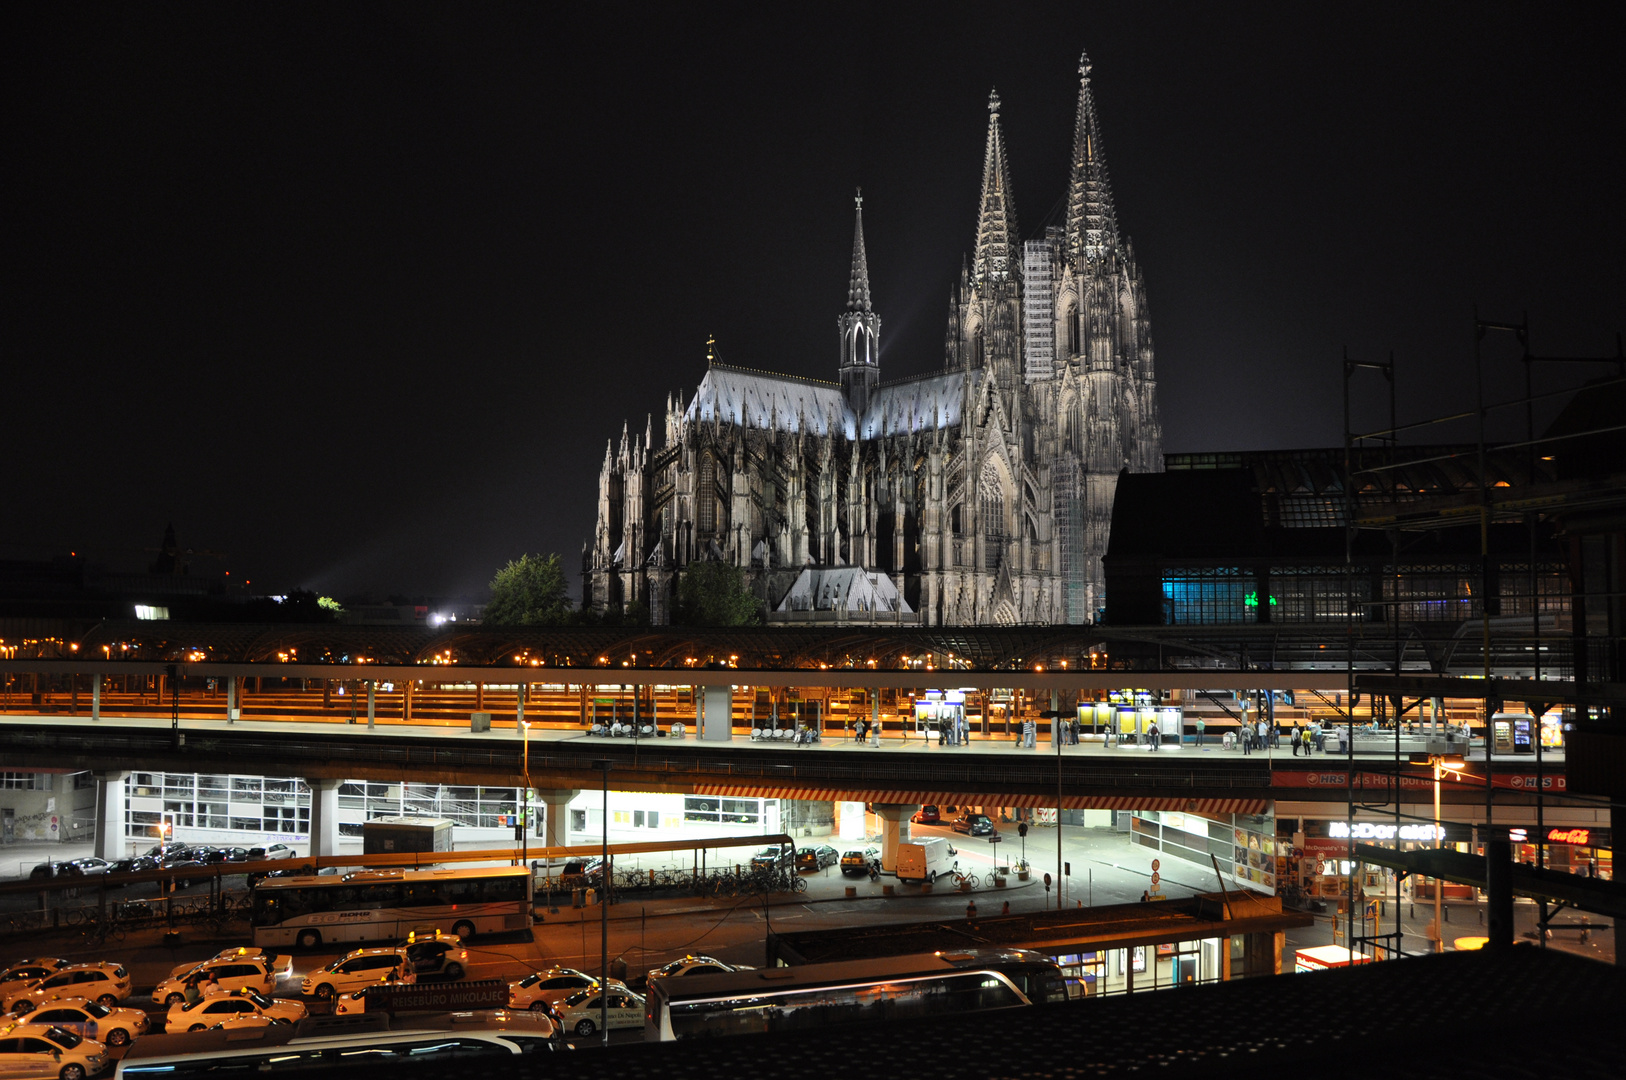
<point>356,293</point>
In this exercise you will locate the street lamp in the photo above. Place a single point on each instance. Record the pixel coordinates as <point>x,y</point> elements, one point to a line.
<point>1440,763</point>
<point>604,907</point>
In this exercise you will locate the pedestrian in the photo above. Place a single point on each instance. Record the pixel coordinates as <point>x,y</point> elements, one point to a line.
<point>942,735</point>
<point>1295,739</point>
<point>1264,732</point>
<point>971,909</point>
<point>1006,910</point>
<point>1145,897</point>
<point>1246,736</point>
<point>1153,736</point>
<point>1200,728</point>
<point>859,730</point>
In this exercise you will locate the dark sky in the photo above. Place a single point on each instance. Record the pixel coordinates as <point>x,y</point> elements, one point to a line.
<point>356,293</point>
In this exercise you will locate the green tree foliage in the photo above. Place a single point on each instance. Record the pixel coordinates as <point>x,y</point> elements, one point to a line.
<point>715,594</point>
<point>529,591</point>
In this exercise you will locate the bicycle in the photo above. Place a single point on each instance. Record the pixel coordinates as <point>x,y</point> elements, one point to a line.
<point>966,880</point>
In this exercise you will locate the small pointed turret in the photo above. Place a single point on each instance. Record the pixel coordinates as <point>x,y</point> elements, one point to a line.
<point>995,260</point>
<point>1092,221</point>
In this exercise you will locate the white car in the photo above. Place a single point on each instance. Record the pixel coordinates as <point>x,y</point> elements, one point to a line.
<point>107,983</point>
<point>92,1020</point>
<point>353,971</point>
<point>211,1010</point>
<point>582,1012</point>
<point>243,952</point>
<point>42,1050</point>
<point>695,965</point>
<point>536,990</point>
<point>25,973</point>
<point>251,1020</point>
<point>236,971</point>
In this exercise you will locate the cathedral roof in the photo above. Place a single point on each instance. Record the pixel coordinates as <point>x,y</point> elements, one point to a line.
<point>923,404</point>
<point>766,400</point>
<point>854,588</point>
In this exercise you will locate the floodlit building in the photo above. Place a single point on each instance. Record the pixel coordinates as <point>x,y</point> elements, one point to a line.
<point>983,492</point>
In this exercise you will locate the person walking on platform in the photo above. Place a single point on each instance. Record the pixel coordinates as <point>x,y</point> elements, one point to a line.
<point>1200,727</point>
<point>1295,738</point>
<point>1245,735</point>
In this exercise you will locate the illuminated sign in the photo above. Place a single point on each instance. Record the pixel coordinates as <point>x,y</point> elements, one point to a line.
<point>1577,837</point>
<point>1371,830</point>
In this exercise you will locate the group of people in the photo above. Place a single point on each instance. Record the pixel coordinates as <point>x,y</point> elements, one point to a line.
<point>1312,737</point>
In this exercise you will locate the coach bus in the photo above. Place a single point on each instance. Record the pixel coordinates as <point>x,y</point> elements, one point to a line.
<point>848,991</point>
<point>375,905</point>
<point>482,1040</point>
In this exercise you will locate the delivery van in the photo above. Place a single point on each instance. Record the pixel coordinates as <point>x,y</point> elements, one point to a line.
<point>925,859</point>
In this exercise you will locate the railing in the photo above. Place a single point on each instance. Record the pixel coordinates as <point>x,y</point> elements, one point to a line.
<point>979,773</point>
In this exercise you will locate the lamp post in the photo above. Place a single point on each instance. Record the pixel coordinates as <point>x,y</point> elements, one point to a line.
<point>1441,759</point>
<point>604,909</point>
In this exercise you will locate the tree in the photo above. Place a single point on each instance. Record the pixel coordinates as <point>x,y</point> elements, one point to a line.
<point>715,594</point>
<point>529,591</point>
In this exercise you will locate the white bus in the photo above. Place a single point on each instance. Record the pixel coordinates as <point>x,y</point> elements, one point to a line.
<point>849,991</point>
<point>379,905</point>
<point>344,1046</point>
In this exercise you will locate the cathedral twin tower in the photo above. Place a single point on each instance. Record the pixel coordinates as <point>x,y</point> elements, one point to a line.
<point>981,494</point>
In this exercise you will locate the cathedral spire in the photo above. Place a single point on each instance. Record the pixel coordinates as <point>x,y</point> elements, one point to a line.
<point>997,237</point>
<point>858,283</point>
<point>1092,222</point>
<point>859,326</point>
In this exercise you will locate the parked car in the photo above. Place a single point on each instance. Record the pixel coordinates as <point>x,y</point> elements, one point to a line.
<point>581,873</point>
<point>213,855</point>
<point>136,864</point>
<point>252,1020</point>
<point>25,973</point>
<point>927,815</point>
<point>41,1050</point>
<point>270,851</point>
<point>583,1011</point>
<point>537,989</point>
<point>293,871</point>
<point>859,861</point>
<point>973,824</point>
<point>692,965</point>
<point>169,853</point>
<point>436,954</point>
<point>115,1026</point>
<point>209,1011</point>
<point>231,971</point>
<point>107,983</point>
<point>353,971</point>
<point>773,858</point>
<point>816,858</point>
<point>84,867</point>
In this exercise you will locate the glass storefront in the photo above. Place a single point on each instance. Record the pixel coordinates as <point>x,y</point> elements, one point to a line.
<point>1143,967</point>
<point>1244,844</point>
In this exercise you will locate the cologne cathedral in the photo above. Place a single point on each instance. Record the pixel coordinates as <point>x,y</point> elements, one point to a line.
<point>978,494</point>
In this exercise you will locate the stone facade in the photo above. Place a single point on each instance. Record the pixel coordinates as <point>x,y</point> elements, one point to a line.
<point>983,491</point>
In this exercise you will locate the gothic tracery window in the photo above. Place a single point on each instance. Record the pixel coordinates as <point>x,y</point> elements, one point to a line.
<point>991,502</point>
<point>705,510</point>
